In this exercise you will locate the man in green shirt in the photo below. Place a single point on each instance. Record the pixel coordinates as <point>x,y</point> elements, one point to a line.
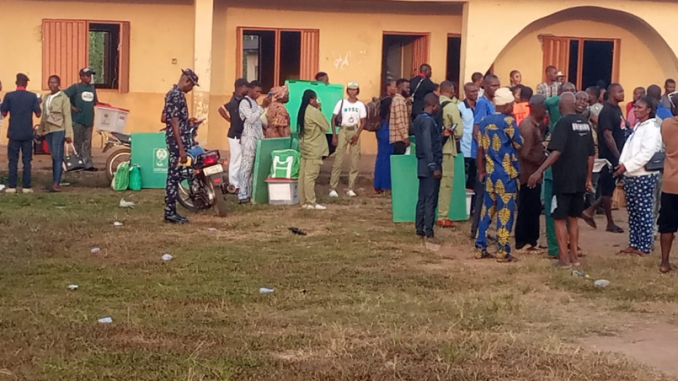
<point>83,97</point>
<point>452,130</point>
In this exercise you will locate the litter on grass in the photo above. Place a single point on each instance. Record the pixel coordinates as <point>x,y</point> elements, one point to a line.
<point>126,204</point>
<point>117,223</point>
<point>95,250</point>
<point>167,257</point>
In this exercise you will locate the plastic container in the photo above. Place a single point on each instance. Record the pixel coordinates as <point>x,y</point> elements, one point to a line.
<point>135,178</point>
<point>282,191</point>
<point>469,198</point>
<point>110,118</point>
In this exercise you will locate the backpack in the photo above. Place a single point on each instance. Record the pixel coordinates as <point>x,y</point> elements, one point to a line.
<point>373,122</point>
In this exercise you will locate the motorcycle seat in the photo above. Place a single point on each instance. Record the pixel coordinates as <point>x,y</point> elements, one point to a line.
<point>124,138</point>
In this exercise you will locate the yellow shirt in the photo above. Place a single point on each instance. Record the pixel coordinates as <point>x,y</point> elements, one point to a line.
<point>313,145</point>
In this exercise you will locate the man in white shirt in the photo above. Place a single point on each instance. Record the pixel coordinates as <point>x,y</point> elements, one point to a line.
<point>349,116</point>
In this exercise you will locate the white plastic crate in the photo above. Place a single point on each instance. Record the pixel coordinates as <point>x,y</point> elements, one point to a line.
<point>109,118</point>
<point>283,191</point>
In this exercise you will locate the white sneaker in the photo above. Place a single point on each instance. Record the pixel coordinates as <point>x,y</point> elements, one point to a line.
<point>27,190</point>
<point>351,193</point>
<point>318,207</point>
<point>307,206</point>
<point>10,190</point>
<point>334,194</point>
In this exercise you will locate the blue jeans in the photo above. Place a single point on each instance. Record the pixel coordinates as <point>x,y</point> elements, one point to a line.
<point>26,148</point>
<point>55,141</point>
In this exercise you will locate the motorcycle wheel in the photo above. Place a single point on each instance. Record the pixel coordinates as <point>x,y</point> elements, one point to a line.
<point>185,200</point>
<point>219,201</point>
<point>119,156</point>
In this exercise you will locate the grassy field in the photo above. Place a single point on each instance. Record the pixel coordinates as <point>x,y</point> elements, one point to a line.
<point>358,298</point>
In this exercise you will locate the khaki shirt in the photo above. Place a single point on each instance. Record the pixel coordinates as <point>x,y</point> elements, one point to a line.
<point>313,145</point>
<point>451,116</point>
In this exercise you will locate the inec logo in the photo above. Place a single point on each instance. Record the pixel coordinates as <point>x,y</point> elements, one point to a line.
<point>160,156</point>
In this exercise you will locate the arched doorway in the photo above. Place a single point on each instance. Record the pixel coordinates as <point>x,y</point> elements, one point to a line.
<point>637,56</point>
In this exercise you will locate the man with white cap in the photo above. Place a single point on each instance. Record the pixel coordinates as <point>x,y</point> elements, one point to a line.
<point>498,166</point>
<point>349,117</point>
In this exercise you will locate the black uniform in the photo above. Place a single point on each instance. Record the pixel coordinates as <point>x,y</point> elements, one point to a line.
<point>175,107</point>
<point>429,159</point>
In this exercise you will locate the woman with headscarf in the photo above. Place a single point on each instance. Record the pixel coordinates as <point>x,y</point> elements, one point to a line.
<point>312,126</point>
<point>57,126</point>
<point>639,183</point>
<point>278,118</point>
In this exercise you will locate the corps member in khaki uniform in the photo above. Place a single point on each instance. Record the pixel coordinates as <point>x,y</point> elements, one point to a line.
<point>312,146</point>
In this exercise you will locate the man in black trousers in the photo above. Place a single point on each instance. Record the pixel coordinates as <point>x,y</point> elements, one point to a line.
<point>429,167</point>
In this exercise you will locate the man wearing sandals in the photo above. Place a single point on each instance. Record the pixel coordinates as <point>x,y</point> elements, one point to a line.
<point>572,156</point>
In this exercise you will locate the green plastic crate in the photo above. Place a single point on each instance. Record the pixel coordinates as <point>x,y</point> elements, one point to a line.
<point>328,96</point>
<point>149,152</point>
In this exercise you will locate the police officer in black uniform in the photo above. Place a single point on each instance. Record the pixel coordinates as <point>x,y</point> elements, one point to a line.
<point>179,139</point>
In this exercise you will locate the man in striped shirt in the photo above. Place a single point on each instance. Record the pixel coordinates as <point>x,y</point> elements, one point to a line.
<point>399,124</point>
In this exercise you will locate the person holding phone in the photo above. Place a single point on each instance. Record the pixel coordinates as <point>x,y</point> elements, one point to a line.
<point>450,122</point>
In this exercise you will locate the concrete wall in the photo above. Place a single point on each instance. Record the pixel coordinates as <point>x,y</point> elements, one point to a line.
<point>350,44</point>
<point>160,32</point>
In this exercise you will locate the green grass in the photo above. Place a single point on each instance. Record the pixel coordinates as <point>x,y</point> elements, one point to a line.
<point>358,298</point>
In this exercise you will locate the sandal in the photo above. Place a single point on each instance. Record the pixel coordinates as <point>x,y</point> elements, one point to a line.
<point>614,229</point>
<point>589,221</point>
<point>665,270</point>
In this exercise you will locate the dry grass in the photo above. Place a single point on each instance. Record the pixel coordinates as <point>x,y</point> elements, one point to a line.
<point>357,299</point>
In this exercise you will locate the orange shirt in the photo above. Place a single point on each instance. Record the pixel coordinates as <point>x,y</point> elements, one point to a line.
<point>521,111</point>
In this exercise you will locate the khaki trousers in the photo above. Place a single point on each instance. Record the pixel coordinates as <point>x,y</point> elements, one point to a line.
<point>308,173</point>
<point>344,144</point>
<point>446,187</point>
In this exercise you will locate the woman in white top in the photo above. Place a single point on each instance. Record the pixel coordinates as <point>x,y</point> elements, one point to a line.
<point>349,116</point>
<point>639,183</point>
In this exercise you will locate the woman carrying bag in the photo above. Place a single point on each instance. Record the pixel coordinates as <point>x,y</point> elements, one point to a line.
<point>313,146</point>
<point>57,127</point>
<point>640,178</point>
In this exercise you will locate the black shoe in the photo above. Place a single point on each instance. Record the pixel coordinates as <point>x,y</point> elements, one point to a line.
<point>92,169</point>
<point>176,219</point>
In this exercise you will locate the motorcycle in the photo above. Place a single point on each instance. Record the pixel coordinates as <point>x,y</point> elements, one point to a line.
<point>202,181</point>
<point>124,154</point>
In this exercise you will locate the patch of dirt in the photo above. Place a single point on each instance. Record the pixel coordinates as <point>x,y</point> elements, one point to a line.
<point>653,345</point>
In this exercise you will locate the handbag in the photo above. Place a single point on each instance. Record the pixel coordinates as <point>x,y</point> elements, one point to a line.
<point>73,162</point>
<point>656,163</point>
<point>339,119</point>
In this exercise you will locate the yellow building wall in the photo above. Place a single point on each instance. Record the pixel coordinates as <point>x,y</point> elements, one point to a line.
<point>159,33</point>
<point>350,49</point>
<point>651,20</point>
<point>638,64</point>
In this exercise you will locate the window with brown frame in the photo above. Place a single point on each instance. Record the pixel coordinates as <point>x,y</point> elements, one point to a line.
<point>70,45</point>
<point>585,61</point>
<point>273,56</point>
<point>401,55</point>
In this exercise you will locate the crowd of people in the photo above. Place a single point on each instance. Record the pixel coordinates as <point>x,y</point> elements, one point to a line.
<point>556,151</point>
<point>559,151</point>
<point>65,117</point>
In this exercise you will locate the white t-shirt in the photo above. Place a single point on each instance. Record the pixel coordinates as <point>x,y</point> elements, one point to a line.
<point>351,112</point>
